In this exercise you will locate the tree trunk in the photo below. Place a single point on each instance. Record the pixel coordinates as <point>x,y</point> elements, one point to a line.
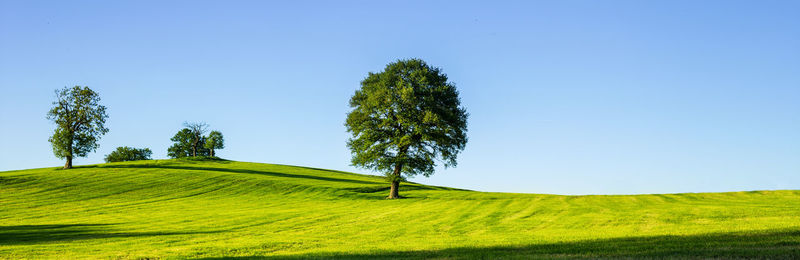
<point>212,152</point>
<point>194,151</point>
<point>68,165</point>
<point>394,192</point>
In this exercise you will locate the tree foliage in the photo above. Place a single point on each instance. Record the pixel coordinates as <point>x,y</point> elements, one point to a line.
<point>190,141</point>
<point>125,153</point>
<point>404,119</point>
<point>214,141</point>
<point>80,121</point>
<point>183,145</point>
<point>197,140</point>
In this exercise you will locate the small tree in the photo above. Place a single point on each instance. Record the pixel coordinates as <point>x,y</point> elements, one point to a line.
<point>403,118</point>
<point>80,121</point>
<point>197,130</point>
<point>214,141</point>
<point>125,153</point>
<point>183,145</point>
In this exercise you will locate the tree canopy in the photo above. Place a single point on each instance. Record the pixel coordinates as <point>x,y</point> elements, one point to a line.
<point>80,121</point>
<point>404,119</point>
<point>183,145</point>
<point>196,138</point>
<point>125,153</point>
<point>190,141</point>
<point>214,141</point>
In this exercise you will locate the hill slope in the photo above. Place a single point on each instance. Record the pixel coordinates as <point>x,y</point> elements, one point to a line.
<point>210,209</point>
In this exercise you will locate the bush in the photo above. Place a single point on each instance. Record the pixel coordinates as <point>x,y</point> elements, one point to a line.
<point>128,154</point>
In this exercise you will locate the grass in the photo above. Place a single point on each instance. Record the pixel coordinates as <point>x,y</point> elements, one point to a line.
<point>225,209</point>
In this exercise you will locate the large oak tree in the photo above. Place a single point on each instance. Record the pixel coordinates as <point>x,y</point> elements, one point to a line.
<point>80,121</point>
<point>404,119</point>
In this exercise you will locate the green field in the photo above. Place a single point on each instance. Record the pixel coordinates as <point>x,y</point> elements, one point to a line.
<point>224,209</point>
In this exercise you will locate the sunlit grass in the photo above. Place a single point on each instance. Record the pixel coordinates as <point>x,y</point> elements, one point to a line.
<point>211,209</point>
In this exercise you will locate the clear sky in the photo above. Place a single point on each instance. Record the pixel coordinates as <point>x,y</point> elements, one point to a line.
<point>565,97</point>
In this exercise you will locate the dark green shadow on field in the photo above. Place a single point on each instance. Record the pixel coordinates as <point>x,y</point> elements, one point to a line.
<point>230,170</point>
<point>203,159</point>
<point>757,245</point>
<point>386,187</point>
<point>35,234</point>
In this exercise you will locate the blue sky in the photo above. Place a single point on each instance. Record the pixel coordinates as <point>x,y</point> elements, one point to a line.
<point>565,97</point>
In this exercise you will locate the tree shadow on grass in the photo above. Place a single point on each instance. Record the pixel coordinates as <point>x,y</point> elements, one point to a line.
<point>276,174</point>
<point>35,234</point>
<point>781,244</point>
<point>386,187</point>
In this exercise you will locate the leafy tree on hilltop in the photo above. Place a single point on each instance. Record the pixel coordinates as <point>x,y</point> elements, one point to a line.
<point>80,121</point>
<point>125,153</point>
<point>197,140</point>
<point>190,141</point>
<point>403,119</point>
<point>183,145</point>
<point>214,141</point>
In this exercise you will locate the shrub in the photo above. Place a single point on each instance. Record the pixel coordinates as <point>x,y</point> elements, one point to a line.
<point>128,154</point>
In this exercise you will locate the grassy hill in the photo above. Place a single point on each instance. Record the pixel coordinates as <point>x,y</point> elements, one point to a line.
<point>216,209</point>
